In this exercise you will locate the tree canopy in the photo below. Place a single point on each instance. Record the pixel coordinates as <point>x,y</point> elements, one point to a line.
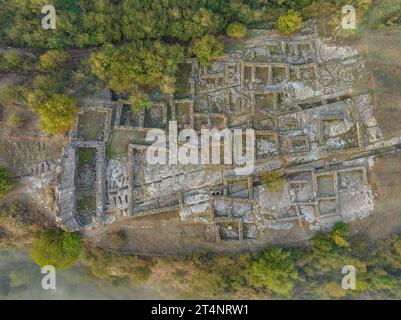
<point>149,63</point>
<point>236,30</point>
<point>57,114</point>
<point>206,49</point>
<point>290,22</point>
<point>57,248</point>
<point>274,270</point>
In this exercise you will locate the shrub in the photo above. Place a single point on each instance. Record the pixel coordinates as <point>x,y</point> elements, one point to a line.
<point>49,83</point>
<point>5,182</point>
<point>340,235</point>
<point>52,60</point>
<point>57,248</point>
<point>57,114</point>
<point>236,30</point>
<point>112,266</point>
<point>206,49</point>
<point>290,22</point>
<point>272,181</point>
<point>15,120</point>
<point>12,94</point>
<point>10,61</point>
<point>35,99</point>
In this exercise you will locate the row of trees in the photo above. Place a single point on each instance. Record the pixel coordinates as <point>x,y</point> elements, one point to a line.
<point>83,23</point>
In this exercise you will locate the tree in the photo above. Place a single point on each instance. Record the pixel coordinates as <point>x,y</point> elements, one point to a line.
<point>236,30</point>
<point>274,270</point>
<point>148,63</point>
<point>206,49</point>
<point>289,23</point>
<point>57,114</point>
<point>57,248</point>
<point>5,182</point>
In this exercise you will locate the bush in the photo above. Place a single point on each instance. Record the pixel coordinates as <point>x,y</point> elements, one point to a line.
<point>49,83</point>
<point>12,94</point>
<point>52,60</point>
<point>272,181</point>
<point>10,61</point>
<point>340,235</point>
<point>112,266</point>
<point>57,114</point>
<point>35,99</point>
<point>236,30</point>
<point>289,23</point>
<point>5,182</point>
<point>57,248</point>
<point>15,120</point>
<point>206,49</point>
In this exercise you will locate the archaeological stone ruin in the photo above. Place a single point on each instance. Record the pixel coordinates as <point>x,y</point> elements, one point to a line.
<point>312,125</point>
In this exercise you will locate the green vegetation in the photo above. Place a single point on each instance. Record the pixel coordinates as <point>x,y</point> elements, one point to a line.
<point>290,22</point>
<point>20,222</point>
<point>274,270</point>
<point>95,23</point>
<point>272,181</point>
<point>149,64</point>
<point>57,114</point>
<point>10,61</point>
<point>142,45</point>
<point>207,49</point>
<point>383,13</point>
<point>5,182</point>
<point>86,155</point>
<point>11,94</point>
<point>181,85</point>
<point>15,120</point>
<point>116,268</point>
<point>236,30</point>
<point>139,101</point>
<point>109,151</point>
<point>52,60</point>
<point>312,272</point>
<point>57,248</point>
